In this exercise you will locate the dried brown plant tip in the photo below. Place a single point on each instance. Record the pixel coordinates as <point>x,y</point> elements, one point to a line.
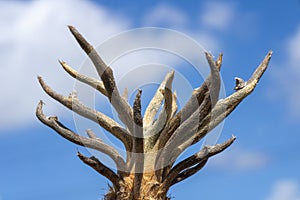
<point>153,142</point>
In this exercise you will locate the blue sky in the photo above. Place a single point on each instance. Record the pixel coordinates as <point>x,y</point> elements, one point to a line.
<point>262,164</point>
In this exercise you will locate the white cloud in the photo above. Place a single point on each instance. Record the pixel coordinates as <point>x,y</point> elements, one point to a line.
<point>218,15</point>
<point>239,159</point>
<point>165,14</point>
<point>33,36</point>
<point>285,190</point>
<point>293,49</point>
<point>287,74</point>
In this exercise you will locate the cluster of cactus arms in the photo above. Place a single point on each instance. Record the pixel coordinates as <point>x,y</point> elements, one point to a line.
<point>153,141</point>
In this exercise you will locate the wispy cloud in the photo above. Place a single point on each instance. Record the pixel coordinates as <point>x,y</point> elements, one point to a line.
<point>285,190</point>
<point>293,48</point>
<point>222,17</point>
<point>240,159</point>
<point>218,15</point>
<point>288,72</point>
<point>165,14</point>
